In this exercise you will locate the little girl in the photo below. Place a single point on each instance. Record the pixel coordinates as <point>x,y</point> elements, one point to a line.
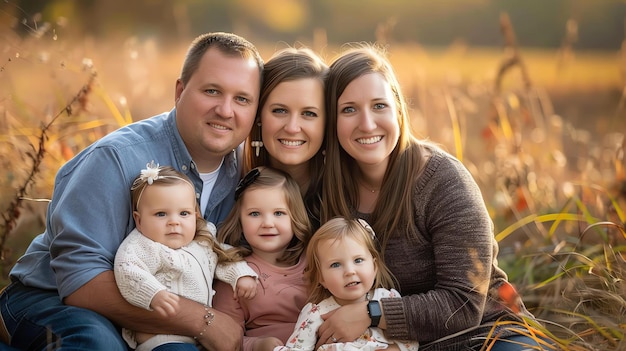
<point>172,252</point>
<point>344,267</point>
<point>270,226</point>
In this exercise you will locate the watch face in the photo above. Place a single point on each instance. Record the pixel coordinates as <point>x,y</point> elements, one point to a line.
<point>373,309</point>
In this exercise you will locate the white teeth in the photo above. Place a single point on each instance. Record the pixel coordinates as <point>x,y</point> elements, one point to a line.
<point>371,140</point>
<point>353,284</point>
<point>217,126</point>
<point>291,142</point>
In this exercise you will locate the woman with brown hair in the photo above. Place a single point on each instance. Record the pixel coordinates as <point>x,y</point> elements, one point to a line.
<point>434,230</point>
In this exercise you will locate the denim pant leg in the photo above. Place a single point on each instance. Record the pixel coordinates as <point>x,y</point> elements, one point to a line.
<point>5,347</point>
<point>179,346</point>
<point>517,343</point>
<point>36,319</point>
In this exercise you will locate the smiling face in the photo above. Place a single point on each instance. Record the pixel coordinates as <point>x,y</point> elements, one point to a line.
<point>292,122</point>
<point>367,120</point>
<point>347,269</point>
<point>266,222</point>
<point>216,108</point>
<point>166,214</point>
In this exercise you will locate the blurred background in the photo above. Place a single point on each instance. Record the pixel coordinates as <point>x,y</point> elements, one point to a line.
<point>432,23</point>
<point>448,39</point>
<point>529,94</point>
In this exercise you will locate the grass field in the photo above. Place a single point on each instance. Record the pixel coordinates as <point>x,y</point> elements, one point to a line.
<point>547,150</point>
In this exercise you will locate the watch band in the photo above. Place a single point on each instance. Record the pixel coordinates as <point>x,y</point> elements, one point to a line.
<point>374,311</point>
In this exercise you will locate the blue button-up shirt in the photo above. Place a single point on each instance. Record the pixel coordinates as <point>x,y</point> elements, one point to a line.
<point>90,212</point>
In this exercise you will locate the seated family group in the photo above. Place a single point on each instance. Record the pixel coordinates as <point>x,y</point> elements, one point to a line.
<point>279,205</point>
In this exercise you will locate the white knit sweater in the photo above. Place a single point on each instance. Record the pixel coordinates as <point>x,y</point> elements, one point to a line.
<point>144,267</point>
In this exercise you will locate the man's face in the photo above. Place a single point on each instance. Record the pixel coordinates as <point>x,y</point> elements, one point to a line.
<point>215,110</point>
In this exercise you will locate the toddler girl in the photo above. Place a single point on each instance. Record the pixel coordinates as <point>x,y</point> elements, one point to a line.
<point>344,267</point>
<point>270,226</point>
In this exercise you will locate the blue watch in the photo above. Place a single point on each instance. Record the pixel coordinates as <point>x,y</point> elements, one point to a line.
<point>374,311</point>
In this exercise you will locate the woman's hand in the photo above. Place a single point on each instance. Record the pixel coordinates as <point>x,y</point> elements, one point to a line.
<point>344,324</point>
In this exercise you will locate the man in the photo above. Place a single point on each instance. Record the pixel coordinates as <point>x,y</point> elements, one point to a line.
<point>63,291</point>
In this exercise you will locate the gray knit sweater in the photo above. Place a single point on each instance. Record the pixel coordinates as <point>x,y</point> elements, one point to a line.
<point>448,275</point>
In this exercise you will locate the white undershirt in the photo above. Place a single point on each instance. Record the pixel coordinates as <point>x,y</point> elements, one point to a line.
<point>208,181</point>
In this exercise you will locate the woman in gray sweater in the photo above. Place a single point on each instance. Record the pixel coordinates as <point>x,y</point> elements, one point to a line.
<point>434,231</point>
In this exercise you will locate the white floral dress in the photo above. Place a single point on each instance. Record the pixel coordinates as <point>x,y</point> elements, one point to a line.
<point>304,336</point>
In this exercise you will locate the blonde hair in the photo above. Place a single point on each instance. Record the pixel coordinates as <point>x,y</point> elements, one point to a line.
<point>231,231</point>
<point>340,228</point>
<point>168,176</point>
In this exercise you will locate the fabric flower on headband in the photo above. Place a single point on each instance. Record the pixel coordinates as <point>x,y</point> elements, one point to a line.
<point>151,173</point>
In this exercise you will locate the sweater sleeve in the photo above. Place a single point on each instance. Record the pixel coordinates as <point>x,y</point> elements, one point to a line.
<point>231,272</point>
<point>136,262</point>
<point>454,225</point>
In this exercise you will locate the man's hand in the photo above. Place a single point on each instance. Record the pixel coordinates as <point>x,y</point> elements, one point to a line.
<point>165,303</point>
<point>222,334</point>
<point>102,295</point>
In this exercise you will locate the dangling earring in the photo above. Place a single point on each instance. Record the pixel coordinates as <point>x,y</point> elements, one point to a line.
<point>257,144</point>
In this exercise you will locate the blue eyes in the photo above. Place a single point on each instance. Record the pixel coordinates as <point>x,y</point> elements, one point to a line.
<point>283,111</point>
<point>182,214</point>
<point>377,106</point>
<point>277,213</point>
<point>241,99</point>
<point>357,261</point>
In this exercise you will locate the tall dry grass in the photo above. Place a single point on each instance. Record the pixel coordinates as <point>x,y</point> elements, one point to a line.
<point>556,190</point>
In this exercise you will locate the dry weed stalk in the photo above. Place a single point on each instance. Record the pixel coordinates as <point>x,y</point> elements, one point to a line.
<point>384,31</point>
<point>513,56</point>
<point>498,118</point>
<point>566,52</point>
<point>12,213</point>
<point>622,68</point>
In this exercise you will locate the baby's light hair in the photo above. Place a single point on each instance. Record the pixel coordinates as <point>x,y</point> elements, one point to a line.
<point>154,173</point>
<point>336,229</point>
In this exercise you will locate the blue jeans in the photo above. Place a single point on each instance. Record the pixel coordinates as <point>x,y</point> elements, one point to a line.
<point>176,347</point>
<point>36,319</point>
<point>516,343</point>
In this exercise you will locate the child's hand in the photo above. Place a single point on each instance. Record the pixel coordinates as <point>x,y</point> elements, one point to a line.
<point>165,303</point>
<point>246,288</point>
<point>266,344</point>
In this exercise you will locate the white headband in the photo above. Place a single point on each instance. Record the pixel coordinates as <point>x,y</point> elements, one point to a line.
<point>149,175</point>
